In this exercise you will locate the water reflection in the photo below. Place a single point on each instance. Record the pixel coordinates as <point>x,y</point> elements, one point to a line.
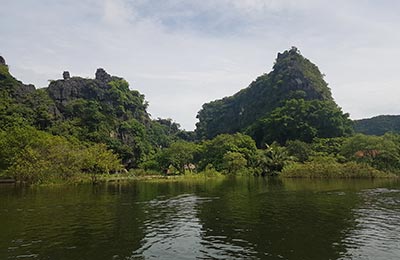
<point>174,231</point>
<point>376,235</point>
<point>238,218</point>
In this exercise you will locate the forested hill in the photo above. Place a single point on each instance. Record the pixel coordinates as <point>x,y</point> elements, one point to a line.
<point>99,110</point>
<point>293,101</point>
<point>378,125</point>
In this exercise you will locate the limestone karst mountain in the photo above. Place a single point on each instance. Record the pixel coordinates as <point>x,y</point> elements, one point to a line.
<point>293,78</point>
<point>99,110</point>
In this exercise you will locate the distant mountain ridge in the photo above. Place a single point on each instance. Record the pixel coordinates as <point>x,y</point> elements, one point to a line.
<point>378,125</point>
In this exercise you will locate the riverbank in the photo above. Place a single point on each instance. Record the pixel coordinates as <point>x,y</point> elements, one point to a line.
<point>332,170</point>
<point>7,180</point>
<point>135,175</point>
<point>121,178</point>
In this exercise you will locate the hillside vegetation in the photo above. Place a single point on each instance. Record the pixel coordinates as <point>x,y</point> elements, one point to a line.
<point>378,125</point>
<point>103,110</point>
<point>285,123</point>
<point>291,102</point>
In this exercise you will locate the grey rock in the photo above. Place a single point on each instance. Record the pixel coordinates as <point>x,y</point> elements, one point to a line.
<point>66,75</point>
<point>72,88</point>
<point>64,91</point>
<point>102,75</point>
<point>2,61</point>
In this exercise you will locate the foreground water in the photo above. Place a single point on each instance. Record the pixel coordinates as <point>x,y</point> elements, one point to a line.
<point>242,218</point>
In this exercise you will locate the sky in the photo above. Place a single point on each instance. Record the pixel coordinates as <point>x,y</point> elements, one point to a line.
<point>183,53</point>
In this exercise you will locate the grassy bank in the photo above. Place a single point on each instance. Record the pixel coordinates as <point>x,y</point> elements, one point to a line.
<point>132,175</point>
<point>328,169</point>
<point>331,169</point>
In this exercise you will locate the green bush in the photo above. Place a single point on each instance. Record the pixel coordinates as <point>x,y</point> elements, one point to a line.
<point>329,168</point>
<point>33,156</point>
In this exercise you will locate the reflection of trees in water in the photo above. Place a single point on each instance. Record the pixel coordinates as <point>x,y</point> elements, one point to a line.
<point>172,228</point>
<point>219,218</point>
<point>82,222</point>
<point>265,217</point>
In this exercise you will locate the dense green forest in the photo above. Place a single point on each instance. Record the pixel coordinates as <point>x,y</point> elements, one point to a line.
<point>378,125</point>
<point>286,122</point>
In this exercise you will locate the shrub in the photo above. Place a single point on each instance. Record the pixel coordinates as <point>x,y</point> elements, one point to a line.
<point>331,169</point>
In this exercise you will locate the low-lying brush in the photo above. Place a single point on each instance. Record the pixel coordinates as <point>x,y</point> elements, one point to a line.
<point>331,169</point>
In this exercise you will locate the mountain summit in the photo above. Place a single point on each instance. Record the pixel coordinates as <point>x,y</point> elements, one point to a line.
<point>293,78</point>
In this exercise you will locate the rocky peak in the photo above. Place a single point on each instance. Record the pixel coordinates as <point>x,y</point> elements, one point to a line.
<point>103,76</point>
<point>66,75</point>
<point>288,59</point>
<point>2,61</point>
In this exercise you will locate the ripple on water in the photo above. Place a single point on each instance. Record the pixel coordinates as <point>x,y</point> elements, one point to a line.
<point>376,235</point>
<point>175,230</point>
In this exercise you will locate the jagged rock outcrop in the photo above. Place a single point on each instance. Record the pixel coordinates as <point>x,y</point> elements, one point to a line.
<point>63,91</point>
<point>66,75</point>
<point>23,103</point>
<point>15,88</point>
<point>2,61</point>
<point>103,76</point>
<point>71,88</point>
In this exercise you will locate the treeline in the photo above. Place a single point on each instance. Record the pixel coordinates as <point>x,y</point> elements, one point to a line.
<point>33,156</point>
<point>285,123</point>
<point>343,157</point>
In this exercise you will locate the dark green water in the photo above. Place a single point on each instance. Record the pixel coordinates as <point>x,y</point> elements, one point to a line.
<point>243,218</point>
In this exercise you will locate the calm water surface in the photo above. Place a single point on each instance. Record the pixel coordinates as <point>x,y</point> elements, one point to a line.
<point>241,218</point>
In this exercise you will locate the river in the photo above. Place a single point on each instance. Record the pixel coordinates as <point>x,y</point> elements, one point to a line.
<point>222,218</point>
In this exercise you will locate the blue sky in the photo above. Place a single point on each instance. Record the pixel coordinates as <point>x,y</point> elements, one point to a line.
<point>183,53</point>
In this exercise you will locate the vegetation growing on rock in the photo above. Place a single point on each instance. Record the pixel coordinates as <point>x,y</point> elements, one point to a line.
<point>296,84</point>
<point>285,121</point>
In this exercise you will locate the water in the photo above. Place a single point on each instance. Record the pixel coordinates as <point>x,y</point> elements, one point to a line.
<point>242,218</point>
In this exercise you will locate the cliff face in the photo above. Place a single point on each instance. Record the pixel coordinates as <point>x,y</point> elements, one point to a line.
<point>109,94</point>
<point>10,85</point>
<point>22,104</point>
<point>103,109</point>
<point>65,90</point>
<point>292,77</point>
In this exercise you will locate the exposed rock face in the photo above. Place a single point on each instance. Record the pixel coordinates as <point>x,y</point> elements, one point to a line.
<point>2,61</point>
<point>66,75</point>
<point>64,91</point>
<point>15,88</point>
<point>103,76</point>
<point>27,88</point>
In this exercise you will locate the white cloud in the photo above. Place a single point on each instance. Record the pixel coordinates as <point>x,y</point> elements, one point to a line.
<point>117,12</point>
